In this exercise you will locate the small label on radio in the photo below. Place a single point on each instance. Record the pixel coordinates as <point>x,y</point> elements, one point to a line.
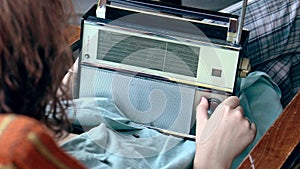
<point>216,72</point>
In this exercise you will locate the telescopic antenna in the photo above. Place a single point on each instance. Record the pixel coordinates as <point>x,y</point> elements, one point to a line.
<point>241,22</point>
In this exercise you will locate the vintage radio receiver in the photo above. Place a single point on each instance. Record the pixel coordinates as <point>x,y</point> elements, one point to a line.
<point>156,60</point>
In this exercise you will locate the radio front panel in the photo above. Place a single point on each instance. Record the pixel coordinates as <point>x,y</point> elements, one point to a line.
<point>191,62</point>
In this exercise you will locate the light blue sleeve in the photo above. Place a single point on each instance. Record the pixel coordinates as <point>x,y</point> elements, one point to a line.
<point>112,141</point>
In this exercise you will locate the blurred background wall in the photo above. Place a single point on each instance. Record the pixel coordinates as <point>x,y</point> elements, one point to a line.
<point>81,6</point>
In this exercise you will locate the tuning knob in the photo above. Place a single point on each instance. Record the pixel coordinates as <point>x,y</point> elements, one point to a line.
<point>213,104</point>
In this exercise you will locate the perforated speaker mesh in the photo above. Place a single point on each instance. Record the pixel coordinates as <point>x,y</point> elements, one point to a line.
<point>157,103</point>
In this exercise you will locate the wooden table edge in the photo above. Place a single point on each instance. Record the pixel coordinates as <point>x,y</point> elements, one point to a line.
<point>278,142</point>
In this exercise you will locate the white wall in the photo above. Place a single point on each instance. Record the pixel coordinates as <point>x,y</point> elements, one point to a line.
<point>81,6</point>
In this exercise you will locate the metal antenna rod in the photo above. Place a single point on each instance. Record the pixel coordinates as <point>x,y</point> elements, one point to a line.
<point>241,22</point>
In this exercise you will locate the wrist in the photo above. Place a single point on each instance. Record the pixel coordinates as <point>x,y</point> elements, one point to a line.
<point>208,160</point>
<point>209,165</point>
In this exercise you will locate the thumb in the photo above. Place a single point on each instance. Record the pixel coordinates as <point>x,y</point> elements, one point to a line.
<point>201,116</point>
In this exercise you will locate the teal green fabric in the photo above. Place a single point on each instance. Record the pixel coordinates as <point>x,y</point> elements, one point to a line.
<point>260,99</point>
<point>113,141</point>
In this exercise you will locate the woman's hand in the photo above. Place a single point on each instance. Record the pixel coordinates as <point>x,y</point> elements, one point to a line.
<point>223,136</point>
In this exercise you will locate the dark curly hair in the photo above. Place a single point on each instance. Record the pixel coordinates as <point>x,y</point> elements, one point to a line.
<point>34,56</point>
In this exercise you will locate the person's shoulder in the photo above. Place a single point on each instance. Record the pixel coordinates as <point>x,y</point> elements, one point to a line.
<point>25,142</point>
<point>19,128</point>
<point>17,136</point>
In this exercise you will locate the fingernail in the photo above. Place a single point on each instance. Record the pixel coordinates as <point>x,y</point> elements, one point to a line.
<point>202,98</point>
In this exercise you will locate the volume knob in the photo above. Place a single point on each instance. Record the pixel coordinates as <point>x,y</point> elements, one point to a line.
<point>213,104</point>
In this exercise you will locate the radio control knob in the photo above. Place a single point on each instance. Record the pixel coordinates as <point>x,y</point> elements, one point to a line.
<point>213,104</point>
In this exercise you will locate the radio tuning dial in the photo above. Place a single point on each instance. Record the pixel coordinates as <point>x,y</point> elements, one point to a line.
<point>213,104</point>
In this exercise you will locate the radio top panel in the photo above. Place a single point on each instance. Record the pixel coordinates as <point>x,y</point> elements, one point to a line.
<point>192,63</point>
<point>165,42</point>
<point>214,25</point>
